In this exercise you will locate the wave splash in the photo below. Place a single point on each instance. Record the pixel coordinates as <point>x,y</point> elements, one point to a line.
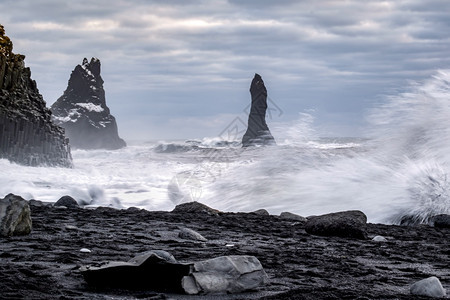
<point>399,175</point>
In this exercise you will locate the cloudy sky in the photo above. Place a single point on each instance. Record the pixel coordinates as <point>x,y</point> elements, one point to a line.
<point>182,69</point>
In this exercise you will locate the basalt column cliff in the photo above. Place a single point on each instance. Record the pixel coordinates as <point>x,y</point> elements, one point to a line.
<point>257,131</point>
<point>27,134</point>
<point>82,110</point>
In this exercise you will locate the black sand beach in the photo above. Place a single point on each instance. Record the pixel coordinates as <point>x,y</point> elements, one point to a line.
<point>45,264</point>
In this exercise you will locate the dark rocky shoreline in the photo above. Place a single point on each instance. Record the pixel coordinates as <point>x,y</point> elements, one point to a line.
<point>45,264</point>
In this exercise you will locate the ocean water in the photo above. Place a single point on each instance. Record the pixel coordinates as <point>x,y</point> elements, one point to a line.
<point>400,168</point>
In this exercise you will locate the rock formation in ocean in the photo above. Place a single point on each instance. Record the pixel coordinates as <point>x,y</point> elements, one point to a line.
<point>27,134</point>
<point>82,110</point>
<point>257,131</point>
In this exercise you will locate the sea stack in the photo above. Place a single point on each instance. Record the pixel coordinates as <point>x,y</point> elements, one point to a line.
<point>27,134</point>
<point>82,110</point>
<point>257,131</point>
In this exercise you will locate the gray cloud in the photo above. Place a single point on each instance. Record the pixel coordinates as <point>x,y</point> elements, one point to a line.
<point>195,59</point>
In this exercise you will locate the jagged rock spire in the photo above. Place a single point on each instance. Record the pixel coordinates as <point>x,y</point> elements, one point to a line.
<point>258,132</point>
<point>83,112</point>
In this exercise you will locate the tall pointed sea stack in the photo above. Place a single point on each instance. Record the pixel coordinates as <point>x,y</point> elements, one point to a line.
<point>257,131</point>
<point>82,110</point>
<point>27,134</point>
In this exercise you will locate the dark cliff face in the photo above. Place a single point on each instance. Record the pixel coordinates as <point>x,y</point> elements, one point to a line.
<point>257,131</point>
<point>27,134</point>
<point>82,110</point>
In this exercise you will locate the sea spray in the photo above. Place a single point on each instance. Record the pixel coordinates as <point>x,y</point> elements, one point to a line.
<point>398,176</point>
<point>412,133</point>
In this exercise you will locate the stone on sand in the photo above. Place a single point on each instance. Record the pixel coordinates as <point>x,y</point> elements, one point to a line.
<point>15,216</point>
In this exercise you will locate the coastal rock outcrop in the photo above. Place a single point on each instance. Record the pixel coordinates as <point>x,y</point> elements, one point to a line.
<point>15,216</point>
<point>27,134</point>
<point>82,110</point>
<point>258,132</point>
<point>225,274</point>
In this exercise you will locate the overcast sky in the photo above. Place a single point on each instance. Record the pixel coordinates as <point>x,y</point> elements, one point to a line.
<point>182,69</point>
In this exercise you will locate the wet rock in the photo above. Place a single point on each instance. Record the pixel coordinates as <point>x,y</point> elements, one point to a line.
<point>430,287</point>
<point>158,270</point>
<point>291,216</point>
<point>350,224</point>
<point>189,234</point>
<point>34,202</point>
<point>194,207</point>
<point>27,134</point>
<point>67,201</point>
<point>261,212</point>
<point>258,132</point>
<point>225,274</point>
<point>133,209</point>
<point>441,221</point>
<point>83,112</point>
<point>154,270</point>
<point>15,216</point>
<point>379,238</point>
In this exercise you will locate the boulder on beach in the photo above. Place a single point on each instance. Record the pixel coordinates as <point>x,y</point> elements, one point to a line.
<point>155,270</point>
<point>350,224</point>
<point>67,201</point>
<point>258,132</point>
<point>291,216</point>
<point>194,207</point>
<point>441,221</point>
<point>225,274</point>
<point>83,112</point>
<point>189,234</point>
<point>15,218</point>
<point>429,287</point>
<point>158,270</point>
<point>261,212</point>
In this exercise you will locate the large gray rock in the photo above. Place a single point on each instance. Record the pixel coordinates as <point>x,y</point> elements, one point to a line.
<point>155,270</point>
<point>430,287</point>
<point>258,132</point>
<point>27,134</point>
<point>83,112</point>
<point>441,221</point>
<point>261,212</point>
<point>189,234</point>
<point>15,218</point>
<point>67,201</point>
<point>225,274</point>
<point>194,207</point>
<point>350,224</point>
<point>293,217</point>
<point>158,270</point>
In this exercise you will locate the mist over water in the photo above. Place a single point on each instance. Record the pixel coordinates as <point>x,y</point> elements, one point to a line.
<point>399,170</point>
